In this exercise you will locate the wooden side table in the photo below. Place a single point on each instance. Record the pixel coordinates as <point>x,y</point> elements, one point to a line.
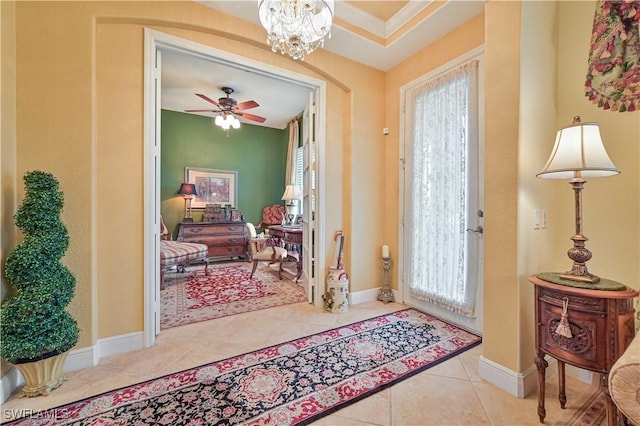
<point>602,327</point>
<point>290,235</point>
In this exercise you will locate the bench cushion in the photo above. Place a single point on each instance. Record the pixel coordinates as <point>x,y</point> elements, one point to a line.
<point>175,252</point>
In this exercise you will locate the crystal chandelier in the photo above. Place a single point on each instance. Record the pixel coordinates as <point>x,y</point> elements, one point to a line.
<point>296,27</point>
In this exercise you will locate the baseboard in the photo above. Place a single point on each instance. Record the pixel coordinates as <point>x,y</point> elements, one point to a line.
<point>367,296</point>
<point>79,359</point>
<point>517,384</point>
<point>521,385</point>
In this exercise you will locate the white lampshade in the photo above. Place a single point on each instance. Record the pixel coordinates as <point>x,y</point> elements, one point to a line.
<point>578,148</point>
<point>292,192</point>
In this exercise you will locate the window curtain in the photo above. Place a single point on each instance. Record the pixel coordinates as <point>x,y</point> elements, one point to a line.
<point>613,75</point>
<point>290,172</point>
<point>442,110</point>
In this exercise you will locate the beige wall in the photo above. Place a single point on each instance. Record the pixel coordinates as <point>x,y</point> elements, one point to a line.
<point>537,127</point>
<point>8,177</point>
<point>535,68</point>
<point>610,205</point>
<point>74,123</point>
<point>79,114</point>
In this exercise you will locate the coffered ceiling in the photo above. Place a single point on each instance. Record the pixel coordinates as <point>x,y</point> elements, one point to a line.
<point>380,34</point>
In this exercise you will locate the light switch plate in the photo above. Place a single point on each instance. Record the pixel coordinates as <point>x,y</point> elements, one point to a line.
<point>537,219</point>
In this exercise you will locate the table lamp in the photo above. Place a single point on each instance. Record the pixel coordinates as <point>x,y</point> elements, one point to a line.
<point>578,153</point>
<point>291,194</point>
<point>188,191</point>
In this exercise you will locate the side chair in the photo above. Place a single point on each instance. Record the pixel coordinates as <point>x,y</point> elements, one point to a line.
<point>261,250</point>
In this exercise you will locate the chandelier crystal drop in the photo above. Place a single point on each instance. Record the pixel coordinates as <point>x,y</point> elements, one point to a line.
<point>296,27</point>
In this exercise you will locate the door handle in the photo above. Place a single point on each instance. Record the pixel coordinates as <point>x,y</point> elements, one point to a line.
<point>479,230</point>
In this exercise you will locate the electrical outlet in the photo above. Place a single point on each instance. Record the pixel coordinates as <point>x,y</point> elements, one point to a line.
<point>544,218</point>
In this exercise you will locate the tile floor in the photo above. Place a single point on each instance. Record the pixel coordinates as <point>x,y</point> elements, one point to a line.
<point>451,393</point>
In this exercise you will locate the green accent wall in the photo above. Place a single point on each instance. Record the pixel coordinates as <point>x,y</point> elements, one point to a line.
<point>258,154</point>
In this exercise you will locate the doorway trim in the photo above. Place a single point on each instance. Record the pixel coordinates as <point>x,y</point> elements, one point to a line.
<point>154,42</point>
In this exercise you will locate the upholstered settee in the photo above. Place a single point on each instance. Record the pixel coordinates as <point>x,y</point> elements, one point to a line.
<point>624,382</point>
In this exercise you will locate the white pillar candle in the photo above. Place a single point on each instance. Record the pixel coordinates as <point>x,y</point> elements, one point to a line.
<point>385,251</point>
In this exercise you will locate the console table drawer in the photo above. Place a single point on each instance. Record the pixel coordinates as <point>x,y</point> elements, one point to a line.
<point>586,327</point>
<point>213,229</point>
<point>222,240</point>
<point>227,239</point>
<point>233,251</point>
<point>579,303</point>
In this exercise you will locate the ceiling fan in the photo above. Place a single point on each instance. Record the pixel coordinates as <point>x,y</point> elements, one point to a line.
<point>229,105</point>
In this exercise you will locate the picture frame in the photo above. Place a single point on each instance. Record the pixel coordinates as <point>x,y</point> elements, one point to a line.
<point>213,186</point>
<point>298,220</point>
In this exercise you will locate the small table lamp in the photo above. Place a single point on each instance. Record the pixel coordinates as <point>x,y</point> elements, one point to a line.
<point>188,191</point>
<point>578,153</point>
<point>291,194</point>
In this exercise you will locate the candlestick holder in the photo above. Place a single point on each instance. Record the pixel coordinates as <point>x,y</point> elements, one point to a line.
<point>386,294</point>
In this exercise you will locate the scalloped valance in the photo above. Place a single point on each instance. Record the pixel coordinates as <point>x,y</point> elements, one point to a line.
<point>613,76</point>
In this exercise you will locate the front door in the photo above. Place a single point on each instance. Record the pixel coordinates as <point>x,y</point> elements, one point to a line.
<point>443,234</point>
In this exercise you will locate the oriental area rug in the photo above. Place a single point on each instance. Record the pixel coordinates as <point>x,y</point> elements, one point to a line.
<point>227,290</point>
<point>292,383</point>
<point>592,413</point>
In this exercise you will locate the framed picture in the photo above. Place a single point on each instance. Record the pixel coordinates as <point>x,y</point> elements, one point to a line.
<point>298,220</point>
<point>213,186</point>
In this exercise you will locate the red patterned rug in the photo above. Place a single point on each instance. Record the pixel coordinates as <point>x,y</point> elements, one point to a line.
<point>592,413</point>
<point>227,290</point>
<point>287,384</point>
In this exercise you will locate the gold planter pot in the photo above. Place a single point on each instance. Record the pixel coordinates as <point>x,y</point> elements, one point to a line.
<point>42,377</point>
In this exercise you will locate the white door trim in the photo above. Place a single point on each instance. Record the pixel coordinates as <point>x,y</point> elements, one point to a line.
<point>154,41</point>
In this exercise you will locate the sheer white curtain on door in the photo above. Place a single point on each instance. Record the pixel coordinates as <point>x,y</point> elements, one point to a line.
<point>442,109</point>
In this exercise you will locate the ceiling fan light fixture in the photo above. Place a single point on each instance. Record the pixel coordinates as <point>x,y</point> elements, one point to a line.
<point>227,109</point>
<point>296,27</point>
<point>227,121</point>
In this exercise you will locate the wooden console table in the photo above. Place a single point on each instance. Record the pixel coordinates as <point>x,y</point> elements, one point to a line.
<point>602,327</point>
<point>224,239</point>
<point>290,235</point>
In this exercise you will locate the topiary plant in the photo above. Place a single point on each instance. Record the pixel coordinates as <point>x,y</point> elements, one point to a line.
<point>34,324</point>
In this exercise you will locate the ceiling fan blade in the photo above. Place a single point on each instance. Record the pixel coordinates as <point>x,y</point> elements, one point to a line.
<point>246,105</point>
<point>200,110</point>
<point>251,117</point>
<point>208,99</point>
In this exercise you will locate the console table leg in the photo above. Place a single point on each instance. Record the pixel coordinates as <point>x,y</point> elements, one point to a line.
<point>562,396</point>
<point>541,365</point>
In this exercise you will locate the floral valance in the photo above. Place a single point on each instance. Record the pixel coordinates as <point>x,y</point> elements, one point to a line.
<point>613,77</point>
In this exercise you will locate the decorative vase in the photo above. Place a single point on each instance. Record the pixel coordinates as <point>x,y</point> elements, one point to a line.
<point>42,376</point>
<point>336,299</point>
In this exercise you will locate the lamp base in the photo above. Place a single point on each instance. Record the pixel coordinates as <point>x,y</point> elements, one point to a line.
<point>290,207</point>
<point>580,255</point>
